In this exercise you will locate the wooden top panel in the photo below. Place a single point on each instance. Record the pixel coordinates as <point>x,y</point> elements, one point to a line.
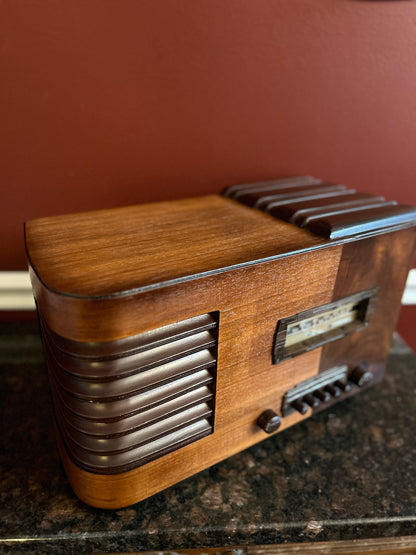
<point>109,252</point>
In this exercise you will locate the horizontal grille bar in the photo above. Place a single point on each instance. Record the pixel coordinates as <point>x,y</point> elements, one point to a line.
<point>134,438</point>
<point>113,428</point>
<point>122,462</point>
<point>118,412</point>
<point>328,210</point>
<point>114,409</point>
<point>114,368</point>
<point>135,383</point>
<point>132,344</point>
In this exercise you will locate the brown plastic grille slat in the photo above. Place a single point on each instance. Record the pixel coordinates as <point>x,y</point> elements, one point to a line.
<point>307,205</point>
<point>138,383</point>
<point>345,224</point>
<point>137,456</point>
<point>140,436</point>
<point>137,420</point>
<point>263,201</point>
<point>117,412</point>
<point>134,344</point>
<point>101,369</point>
<point>296,210</point>
<point>297,181</point>
<point>120,408</point>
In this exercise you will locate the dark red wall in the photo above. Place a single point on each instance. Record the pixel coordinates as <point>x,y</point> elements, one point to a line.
<point>106,103</point>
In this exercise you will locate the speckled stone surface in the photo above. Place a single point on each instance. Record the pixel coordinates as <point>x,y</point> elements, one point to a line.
<point>348,472</point>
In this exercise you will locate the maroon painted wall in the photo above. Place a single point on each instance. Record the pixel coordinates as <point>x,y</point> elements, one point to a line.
<point>105,103</point>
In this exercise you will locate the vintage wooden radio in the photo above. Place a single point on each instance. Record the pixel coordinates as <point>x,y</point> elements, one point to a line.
<point>179,333</point>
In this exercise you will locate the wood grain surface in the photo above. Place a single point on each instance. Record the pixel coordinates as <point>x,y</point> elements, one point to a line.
<point>101,253</point>
<point>250,302</point>
<point>113,274</point>
<point>383,262</point>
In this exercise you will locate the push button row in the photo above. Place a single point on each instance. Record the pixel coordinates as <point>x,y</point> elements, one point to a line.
<point>270,422</point>
<point>319,396</point>
<point>360,377</point>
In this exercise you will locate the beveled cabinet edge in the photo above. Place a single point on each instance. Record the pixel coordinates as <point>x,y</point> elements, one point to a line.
<point>319,243</point>
<point>80,263</point>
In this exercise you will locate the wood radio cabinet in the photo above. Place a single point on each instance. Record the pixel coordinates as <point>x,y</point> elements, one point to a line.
<point>179,333</point>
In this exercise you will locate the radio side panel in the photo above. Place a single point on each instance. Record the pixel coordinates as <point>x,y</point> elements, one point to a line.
<point>380,262</point>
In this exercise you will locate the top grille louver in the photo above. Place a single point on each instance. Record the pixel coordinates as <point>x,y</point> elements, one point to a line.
<point>123,403</point>
<point>326,209</point>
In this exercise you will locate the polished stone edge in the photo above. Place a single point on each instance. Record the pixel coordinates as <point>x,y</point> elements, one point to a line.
<point>201,541</point>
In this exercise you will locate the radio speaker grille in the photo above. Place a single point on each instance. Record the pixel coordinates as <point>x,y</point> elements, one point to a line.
<point>123,403</point>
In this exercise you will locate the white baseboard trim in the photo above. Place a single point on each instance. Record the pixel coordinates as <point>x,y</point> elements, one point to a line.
<point>16,291</point>
<point>409,295</point>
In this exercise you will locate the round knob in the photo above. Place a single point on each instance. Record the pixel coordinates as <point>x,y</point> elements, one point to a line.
<point>361,376</point>
<point>269,421</point>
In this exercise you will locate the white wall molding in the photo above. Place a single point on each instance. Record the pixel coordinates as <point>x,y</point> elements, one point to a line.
<point>16,291</point>
<point>409,295</point>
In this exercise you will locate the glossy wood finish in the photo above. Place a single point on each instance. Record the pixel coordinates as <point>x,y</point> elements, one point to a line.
<point>251,301</point>
<point>113,252</point>
<point>115,278</point>
<point>381,262</point>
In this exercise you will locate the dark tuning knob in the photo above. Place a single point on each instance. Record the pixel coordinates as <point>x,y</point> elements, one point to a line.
<point>361,376</point>
<point>269,421</point>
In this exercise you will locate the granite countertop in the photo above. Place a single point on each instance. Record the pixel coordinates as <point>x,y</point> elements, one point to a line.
<point>348,472</point>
